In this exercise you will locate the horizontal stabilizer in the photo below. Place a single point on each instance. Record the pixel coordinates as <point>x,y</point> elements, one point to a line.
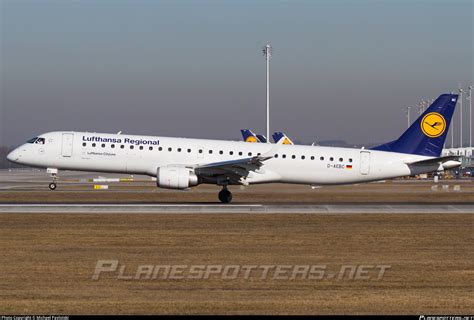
<point>446,162</point>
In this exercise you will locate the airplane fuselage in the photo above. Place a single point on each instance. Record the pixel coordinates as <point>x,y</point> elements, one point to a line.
<point>132,154</point>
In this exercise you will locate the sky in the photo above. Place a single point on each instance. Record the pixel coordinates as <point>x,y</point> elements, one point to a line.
<point>339,70</point>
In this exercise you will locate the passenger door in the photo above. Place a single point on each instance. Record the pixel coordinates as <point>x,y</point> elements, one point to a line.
<point>66,145</point>
<point>364,162</point>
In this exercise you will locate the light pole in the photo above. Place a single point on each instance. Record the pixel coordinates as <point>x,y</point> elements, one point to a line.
<point>470,116</point>
<point>460,112</point>
<point>267,52</point>
<point>421,107</point>
<point>452,131</point>
<point>407,111</point>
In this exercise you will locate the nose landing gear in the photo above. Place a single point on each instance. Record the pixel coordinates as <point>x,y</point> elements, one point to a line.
<point>225,196</point>
<point>54,175</point>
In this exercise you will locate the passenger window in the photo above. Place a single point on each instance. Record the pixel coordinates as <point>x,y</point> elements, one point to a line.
<point>331,159</point>
<point>112,146</point>
<point>122,146</point>
<point>179,149</point>
<point>240,153</point>
<point>141,147</point>
<point>40,141</point>
<point>293,157</point>
<point>322,158</point>
<point>210,151</point>
<point>340,159</point>
<point>160,148</point>
<point>275,156</point>
<point>84,144</point>
<point>131,147</point>
<point>150,148</point>
<point>350,159</point>
<point>200,151</point>
<point>103,145</point>
<point>189,150</point>
<point>312,157</point>
<point>221,152</point>
<point>250,154</point>
<point>302,157</point>
<point>93,144</point>
<point>283,156</point>
<point>170,149</point>
<point>231,152</point>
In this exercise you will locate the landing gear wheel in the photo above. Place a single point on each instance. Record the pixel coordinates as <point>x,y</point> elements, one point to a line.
<point>52,186</point>
<point>225,196</point>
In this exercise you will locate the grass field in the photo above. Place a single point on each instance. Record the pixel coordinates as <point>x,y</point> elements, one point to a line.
<point>47,261</point>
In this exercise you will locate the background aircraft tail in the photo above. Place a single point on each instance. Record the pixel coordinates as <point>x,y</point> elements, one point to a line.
<point>261,138</point>
<point>248,135</point>
<point>282,138</point>
<point>427,134</point>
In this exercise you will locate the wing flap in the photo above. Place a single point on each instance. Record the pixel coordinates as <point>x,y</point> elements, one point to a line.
<point>232,170</point>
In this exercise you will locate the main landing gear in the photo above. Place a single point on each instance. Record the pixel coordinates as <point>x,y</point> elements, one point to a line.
<point>54,175</point>
<point>225,196</point>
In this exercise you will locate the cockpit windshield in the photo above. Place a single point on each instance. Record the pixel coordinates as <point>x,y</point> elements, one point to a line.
<point>40,141</point>
<point>36,140</point>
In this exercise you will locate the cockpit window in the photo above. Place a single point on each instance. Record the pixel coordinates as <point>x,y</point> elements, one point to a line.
<point>32,140</point>
<point>40,141</point>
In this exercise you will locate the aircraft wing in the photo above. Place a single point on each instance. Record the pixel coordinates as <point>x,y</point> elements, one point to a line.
<point>233,171</point>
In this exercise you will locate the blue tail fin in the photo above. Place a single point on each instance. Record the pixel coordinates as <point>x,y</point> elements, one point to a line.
<point>277,136</point>
<point>261,138</point>
<point>248,135</point>
<point>427,134</point>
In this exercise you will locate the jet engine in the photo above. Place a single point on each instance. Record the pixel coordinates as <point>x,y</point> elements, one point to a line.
<point>176,178</point>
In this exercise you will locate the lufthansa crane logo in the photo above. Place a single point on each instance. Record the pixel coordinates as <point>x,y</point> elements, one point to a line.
<point>433,124</point>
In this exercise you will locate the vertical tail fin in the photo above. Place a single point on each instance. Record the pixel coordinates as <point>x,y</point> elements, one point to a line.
<point>282,138</point>
<point>261,138</point>
<point>248,135</point>
<point>427,134</point>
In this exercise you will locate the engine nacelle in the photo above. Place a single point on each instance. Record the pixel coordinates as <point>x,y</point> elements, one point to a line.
<point>176,178</point>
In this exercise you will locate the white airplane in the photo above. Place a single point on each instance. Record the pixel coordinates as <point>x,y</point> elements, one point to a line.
<point>180,163</point>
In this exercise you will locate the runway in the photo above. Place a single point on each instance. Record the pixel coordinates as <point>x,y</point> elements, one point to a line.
<point>355,208</point>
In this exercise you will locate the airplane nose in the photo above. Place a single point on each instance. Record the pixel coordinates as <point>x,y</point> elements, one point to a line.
<point>13,156</point>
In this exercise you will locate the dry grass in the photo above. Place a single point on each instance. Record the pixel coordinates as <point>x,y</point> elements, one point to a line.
<point>46,262</point>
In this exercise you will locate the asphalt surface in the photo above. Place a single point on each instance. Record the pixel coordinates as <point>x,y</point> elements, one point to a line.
<point>237,208</point>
